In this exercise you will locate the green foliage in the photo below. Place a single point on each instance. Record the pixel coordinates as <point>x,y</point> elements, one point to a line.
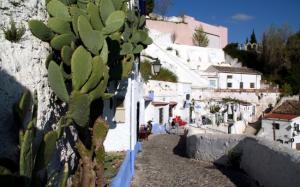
<point>214,109</point>
<point>79,109</point>
<point>200,38</point>
<point>163,75</point>
<point>59,25</point>
<point>97,73</point>
<point>114,22</point>
<point>287,89</point>
<point>31,161</point>
<point>234,158</point>
<point>57,9</point>
<point>56,81</point>
<point>40,30</point>
<point>88,35</point>
<point>81,67</point>
<point>61,40</point>
<point>13,33</point>
<point>66,54</point>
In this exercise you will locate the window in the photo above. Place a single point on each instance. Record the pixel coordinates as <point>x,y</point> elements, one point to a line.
<point>276,126</point>
<point>161,115</point>
<point>241,85</point>
<point>252,85</point>
<point>229,76</point>
<point>212,83</point>
<point>229,85</point>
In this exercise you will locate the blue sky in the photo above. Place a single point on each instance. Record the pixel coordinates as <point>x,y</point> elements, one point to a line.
<point>241,16</point>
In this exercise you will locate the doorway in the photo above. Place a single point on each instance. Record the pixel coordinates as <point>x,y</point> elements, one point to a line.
<point>137,120</point>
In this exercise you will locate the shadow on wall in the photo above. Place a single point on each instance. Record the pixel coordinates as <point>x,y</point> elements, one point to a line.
<point>10,91</point>
<point>108,107</point>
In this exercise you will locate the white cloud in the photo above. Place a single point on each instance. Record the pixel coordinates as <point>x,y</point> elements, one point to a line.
<point>242,17</point>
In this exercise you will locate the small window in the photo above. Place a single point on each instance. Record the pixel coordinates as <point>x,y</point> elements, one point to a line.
<point>241,85</point>
<point>212,83</point>
<point>229,85</point>
<point>161,115</point>
<point>276,126</point>
<point>229,76</point>
<point>252,85</point>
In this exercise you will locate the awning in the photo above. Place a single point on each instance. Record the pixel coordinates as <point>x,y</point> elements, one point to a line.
<point>159,103</point>
<point>162,103</point>
<point>173,103</point>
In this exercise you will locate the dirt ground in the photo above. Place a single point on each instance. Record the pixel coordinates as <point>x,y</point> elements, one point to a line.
<point>162,162</point>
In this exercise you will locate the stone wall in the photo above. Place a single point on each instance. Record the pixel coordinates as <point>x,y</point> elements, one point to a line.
<point>269,163</point>
<point>22,66</point>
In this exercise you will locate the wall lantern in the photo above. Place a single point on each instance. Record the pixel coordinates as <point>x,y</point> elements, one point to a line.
<point>156,65</point>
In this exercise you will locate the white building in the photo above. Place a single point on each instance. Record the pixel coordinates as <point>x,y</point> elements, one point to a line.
<point>168,100</point>
<point>282,124</point>
<point>124,112</point>
<point>226,77</point>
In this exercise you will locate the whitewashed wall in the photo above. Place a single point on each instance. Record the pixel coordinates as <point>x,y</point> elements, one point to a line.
<point>236,79</point>
<point>166,92</point>
<point>285,131</point>
<point>122,136</point>
<point>260,99</point>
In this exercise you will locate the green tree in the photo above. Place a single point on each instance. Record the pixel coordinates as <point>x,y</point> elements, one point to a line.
<point>274,42</point>
<point>293,56</point>
<point>200,38</point>
<point>293,48</point>
<point>287,89</point>
<point>253,38</point>
<point>149,6</point>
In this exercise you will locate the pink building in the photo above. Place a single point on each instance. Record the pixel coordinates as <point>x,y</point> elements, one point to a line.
<point>183,32</point>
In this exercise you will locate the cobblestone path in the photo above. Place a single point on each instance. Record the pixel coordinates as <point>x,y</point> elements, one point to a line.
<point>162,163</point>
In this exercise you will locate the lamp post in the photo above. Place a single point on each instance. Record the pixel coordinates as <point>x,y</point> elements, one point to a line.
<point>156,65</point>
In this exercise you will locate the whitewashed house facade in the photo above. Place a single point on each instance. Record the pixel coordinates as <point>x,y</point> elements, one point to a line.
<point>226,77</point>
<point>168,100</point>
<point>282,125</point>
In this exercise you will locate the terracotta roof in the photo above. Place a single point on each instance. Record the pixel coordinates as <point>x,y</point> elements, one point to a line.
<point>228,69</point>
<point>280,116</point>
<point>288,107</point>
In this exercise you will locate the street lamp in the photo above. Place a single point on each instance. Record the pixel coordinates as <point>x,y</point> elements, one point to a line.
<point>156,65</point>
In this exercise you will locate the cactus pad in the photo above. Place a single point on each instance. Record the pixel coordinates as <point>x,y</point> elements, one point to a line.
<point>114,22</point>
<point>97,73</point>
<point>81,67</point>
<point>61,40</point>
<point>57,9</point>
<point>59,25</point>
<point>92,39</point>
<point>56,81</point>
<point>79,109</point>
<point>40,30</point>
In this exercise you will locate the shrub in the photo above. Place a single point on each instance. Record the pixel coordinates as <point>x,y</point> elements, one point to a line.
<point>13,33</point>
<point>163,75</point>
<point>214,109</point>
<point>234,158</point>
<point>200,38</point>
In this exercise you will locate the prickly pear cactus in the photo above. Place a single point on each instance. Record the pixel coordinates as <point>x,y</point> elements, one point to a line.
<point>93,41</point>
<point>33,157</point>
